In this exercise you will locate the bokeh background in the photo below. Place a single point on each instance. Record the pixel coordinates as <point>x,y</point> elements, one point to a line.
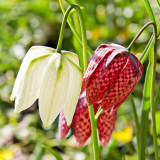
<point>24,23</point>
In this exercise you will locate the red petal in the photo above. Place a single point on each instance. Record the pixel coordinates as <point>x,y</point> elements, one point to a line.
<point>124,84</point>
<point>105,125</point>
<point>62,125</point>
<point>104,75</point>
<point>81,121</point>
<point>140,66</point>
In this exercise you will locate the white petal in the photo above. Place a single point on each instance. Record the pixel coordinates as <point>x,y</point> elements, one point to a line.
<point>33,53</point>
<point>29,88</point>
<point>52,90</point>
<point>71,56</point>
<point>56,88</point>
<point>73,91</point>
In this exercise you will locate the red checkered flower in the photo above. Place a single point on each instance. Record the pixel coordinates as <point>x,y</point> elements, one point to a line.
<point>111,76</point>
<point>82,126</point>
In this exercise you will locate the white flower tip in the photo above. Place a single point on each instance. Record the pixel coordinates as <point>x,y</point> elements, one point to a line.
<point>46,126</point>
<point>17,111</point>
<point>69,123</point>
<point>12,98</point>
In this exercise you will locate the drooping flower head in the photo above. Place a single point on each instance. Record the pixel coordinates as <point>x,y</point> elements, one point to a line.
<point>53,78</point>
<point>82,125</point>
<point>111,76</point>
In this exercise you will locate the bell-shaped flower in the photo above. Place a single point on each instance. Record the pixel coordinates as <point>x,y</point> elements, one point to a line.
<point>82,126</point>
<point>111,76</point>
<point>53,78</point>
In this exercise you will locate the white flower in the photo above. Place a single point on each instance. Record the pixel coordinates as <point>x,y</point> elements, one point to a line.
<point>53,78</point>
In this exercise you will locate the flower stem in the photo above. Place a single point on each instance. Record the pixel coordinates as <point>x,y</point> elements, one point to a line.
<point>84,37</point>
<point>83,31</point>
<point>150,12</point>
<point>73,30</point>
<point>152,69</point>
<point>148,93</point>
<point>85,60</point>
<point>149,45</point>
<point>94,135</point>
<point>154,60</point>
<point>158,3</point>
<point>139,33</point>
<point>149,89</point>
<point>136,123</point>
<point>59,45</point>
<point>100,110</point>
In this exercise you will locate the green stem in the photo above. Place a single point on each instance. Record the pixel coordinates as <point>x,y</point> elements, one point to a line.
<point>149,45</point>
<point>152,69</point>
<point>76,43</point>
<point>140,32</point>
<point>145,112</point>
<point>149,93</point>
<point>94,135</point>
<point>59,45</point>
<point>85,60</point>
<point>84,37</point>
<point>83,30</point>
<point>154,61</point>
<point>132,102</point>
<point>136,123</point>
<point>100,110</point>
<point>73,30</point>
<point>156,97</point>
<point>158,3</point>
<point>150,12</point>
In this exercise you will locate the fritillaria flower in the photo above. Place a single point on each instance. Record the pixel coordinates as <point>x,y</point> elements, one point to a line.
<point>111,76</point>
<point>82,126</point>
<point>53,78</point>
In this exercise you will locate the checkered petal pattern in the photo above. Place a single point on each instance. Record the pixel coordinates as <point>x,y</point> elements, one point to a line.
<point>105,125</point>
<point>111,76</point>
<point>62,125</point>
<point>81,121</point>
<point>82,126</point>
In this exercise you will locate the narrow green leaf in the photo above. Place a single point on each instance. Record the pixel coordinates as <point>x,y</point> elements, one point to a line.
<point>70,2</point>
<point>53,152</point>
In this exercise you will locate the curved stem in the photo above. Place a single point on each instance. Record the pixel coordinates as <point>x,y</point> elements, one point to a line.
<point>140,32</point>
<point>59,45</point>
<point>83,30</point>
<point>149,45</point>
<point>149,92</point>
<point>73,30</point>
<point>152,70</point>
<point>153,60</point>
<point>84,38</point>
<point>136,123</point>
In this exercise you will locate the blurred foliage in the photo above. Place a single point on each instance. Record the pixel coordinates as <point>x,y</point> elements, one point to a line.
<point>24,23</point>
